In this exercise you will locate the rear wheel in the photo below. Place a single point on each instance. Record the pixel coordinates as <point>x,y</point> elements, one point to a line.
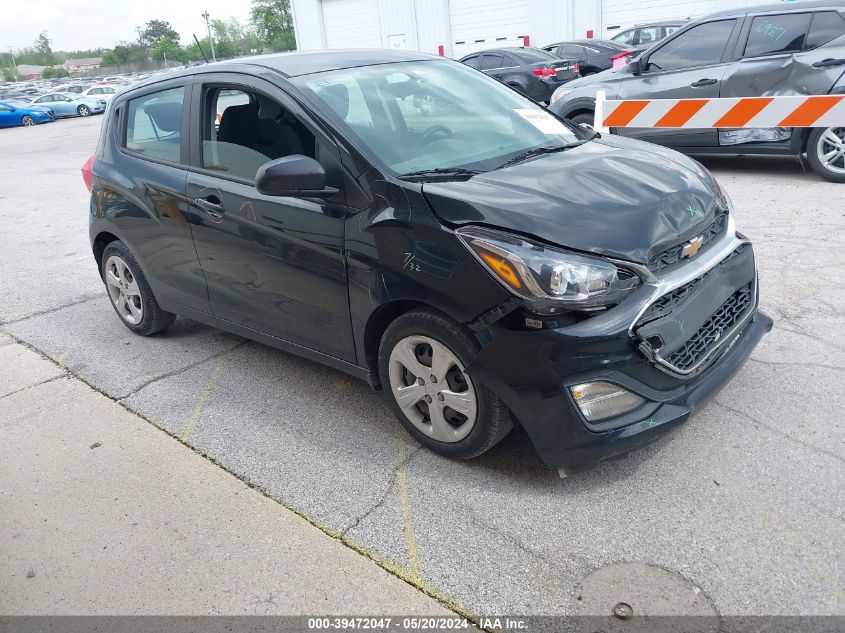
<point>130,293</point>
<point>27,120</point>
<point>83,110</point>
<point>826,153</point>
<point>422,362</point>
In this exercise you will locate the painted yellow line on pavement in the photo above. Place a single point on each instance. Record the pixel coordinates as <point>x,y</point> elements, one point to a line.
<point>70,349</point>
<point>407,518</point>
<point>199,407</point>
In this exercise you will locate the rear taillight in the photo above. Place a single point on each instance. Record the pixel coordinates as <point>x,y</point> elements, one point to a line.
<point>87,176</point>
<point>544,72</point>
<point>577,68</point>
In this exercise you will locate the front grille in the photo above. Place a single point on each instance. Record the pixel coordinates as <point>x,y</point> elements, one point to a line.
<point>726,317</point>
<point>672,256</point>
<point>668,302</point>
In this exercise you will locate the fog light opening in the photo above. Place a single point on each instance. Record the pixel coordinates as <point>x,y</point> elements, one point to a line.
<point>603,400</point>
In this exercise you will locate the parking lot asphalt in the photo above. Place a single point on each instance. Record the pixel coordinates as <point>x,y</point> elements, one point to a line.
<point>743,505</point>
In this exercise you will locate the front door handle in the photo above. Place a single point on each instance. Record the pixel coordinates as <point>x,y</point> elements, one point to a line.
<point>703,82</point>
<point>829,63</point>
<point>211,205</point>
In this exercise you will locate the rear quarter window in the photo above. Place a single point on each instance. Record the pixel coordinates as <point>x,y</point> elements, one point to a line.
<point>154,125</point>
<point>772,34</point>
<point>826,27</point>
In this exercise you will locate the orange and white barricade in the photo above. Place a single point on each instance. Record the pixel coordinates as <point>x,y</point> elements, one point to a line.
<point>734,112</point>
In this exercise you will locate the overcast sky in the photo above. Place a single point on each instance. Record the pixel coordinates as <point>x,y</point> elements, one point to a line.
<point>86,24</point>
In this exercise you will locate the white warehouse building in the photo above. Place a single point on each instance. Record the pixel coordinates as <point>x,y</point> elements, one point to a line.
<point>458,27</point>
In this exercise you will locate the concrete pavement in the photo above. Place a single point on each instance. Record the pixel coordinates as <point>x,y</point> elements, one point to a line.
<point>101,513</point>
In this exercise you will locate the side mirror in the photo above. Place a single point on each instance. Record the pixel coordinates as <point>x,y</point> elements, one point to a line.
<point>636,66</point>
<point>295,175</point>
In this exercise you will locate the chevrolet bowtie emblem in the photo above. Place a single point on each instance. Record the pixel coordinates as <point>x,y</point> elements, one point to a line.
<point>692,247</point>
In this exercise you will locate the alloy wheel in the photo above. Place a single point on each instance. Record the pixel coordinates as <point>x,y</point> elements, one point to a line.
<point>431,387</point>
<point>123,290</point>
<point>84,111</point>
<point>831,149</point>
<point>28,120</point>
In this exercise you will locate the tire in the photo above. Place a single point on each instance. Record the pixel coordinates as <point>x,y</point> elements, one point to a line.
<point>584,117</point>
<point>822,143</point>
<point>130,293</point>
<point>426,336</point>
<point>27,121</point>
<point>84,110</point>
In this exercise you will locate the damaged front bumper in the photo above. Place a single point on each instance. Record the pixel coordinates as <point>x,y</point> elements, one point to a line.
<point>674,343</point>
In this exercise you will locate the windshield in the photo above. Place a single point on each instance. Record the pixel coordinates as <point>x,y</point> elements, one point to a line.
<point>425,115</point>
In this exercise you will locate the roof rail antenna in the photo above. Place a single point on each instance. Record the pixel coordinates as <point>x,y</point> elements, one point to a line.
<point>200,47</point>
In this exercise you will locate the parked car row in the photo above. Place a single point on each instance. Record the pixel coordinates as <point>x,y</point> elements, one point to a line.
<point>42,101</point>
<point>767,50</point>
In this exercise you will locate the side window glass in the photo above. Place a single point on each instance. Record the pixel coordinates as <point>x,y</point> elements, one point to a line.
<point>827,26</point>
<point>491,61</point>
<point>626,37</point>
<point>571,51</point>
<point>771,34</point>
<point>650,34</point>
<point>4,108</point>
<point>243,130</point>
<point>154,124</point>
<point>472,62</point>
<point>699,46</point>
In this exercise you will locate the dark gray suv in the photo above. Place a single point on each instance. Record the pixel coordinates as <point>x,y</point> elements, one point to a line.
<point>776,49</point>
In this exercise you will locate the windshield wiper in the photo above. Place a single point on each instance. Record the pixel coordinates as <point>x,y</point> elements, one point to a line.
<point>535,151</point>
<point>441,172</point>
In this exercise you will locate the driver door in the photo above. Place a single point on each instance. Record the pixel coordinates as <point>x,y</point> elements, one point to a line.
<point>274,265</point>
<point>690,65</point>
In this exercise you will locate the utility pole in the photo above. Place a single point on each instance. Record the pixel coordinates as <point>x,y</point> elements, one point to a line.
<point>210,39</point>
<point>140,41</point>
<point>14,66</point>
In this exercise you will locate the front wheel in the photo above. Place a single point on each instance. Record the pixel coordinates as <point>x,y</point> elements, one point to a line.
<point>130,293</point>
<point>826,153</point>
<point>27,121</point>
<point>84,110</point>
<point>422,363</point>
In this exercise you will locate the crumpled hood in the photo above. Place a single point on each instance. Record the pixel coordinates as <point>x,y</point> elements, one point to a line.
<point>613,196</point>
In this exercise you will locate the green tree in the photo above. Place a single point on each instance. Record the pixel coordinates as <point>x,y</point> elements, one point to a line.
<point>168,50</point>
<point>124,53</point>
<point>273,24</point>
<point>9,74</point>
<point>53,72</point>
<point>155,31</point>
<point>43,50</point>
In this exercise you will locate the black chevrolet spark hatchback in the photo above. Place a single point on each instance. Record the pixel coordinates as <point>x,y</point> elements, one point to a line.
<point>415,223</point>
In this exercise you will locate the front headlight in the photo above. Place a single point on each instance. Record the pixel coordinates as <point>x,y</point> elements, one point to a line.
<point>550,279</point>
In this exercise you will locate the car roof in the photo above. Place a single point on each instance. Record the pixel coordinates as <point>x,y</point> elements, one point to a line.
<point>299,63</point>
<point>781,7</point>
<point>661,23</point>
<point>610,43</point>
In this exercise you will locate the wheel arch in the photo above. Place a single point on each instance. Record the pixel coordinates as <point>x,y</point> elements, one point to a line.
<point>378,322</point>
<point>103,239</point>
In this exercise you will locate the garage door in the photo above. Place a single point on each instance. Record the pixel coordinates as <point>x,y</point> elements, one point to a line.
<point>352,23</point>
<point>618,15</point>
<point>480,24</point>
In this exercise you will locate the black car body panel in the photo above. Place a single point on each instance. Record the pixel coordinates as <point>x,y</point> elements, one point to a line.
<point>515,67</point>
<point>602,175</point>
<point>324,276</point>
<point>593,56</point>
